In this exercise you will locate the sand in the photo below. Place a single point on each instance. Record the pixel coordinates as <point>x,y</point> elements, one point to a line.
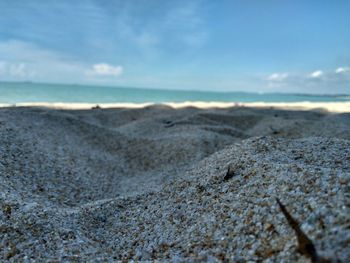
<point>147,183</point>
<point>336,107</point>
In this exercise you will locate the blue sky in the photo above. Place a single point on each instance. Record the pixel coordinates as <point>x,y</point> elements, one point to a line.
<point>246,45</point>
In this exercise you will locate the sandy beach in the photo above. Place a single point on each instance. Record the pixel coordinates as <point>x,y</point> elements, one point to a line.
<point>149,182</point>
<point>335,107</point>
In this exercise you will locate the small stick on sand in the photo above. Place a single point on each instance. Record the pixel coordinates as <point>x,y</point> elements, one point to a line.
<point>230,173</point>
<point>305,245</point>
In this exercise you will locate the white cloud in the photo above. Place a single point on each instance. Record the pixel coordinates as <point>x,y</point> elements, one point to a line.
<point>277,77</point>
<point>316,74</point>
<point>16,70</point>
<point>104,69</point>
<point>320,81</point>
<point>21,70</point>
<point>26,61</point>
<point>342,70</point>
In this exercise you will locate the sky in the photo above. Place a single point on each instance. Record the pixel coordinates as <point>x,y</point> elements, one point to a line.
<point>300,46</point>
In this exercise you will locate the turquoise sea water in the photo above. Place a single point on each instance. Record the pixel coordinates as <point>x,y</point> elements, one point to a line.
<point>31,92</point>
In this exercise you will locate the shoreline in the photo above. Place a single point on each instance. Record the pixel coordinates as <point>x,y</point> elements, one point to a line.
<point>335,107</point>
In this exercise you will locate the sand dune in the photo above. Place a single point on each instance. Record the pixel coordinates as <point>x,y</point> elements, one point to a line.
<point>147,183</point>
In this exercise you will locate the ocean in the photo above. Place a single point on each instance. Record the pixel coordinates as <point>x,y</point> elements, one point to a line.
<point>12,93</point>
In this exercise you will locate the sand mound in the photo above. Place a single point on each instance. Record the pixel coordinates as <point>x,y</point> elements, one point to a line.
<point>148,183</point>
